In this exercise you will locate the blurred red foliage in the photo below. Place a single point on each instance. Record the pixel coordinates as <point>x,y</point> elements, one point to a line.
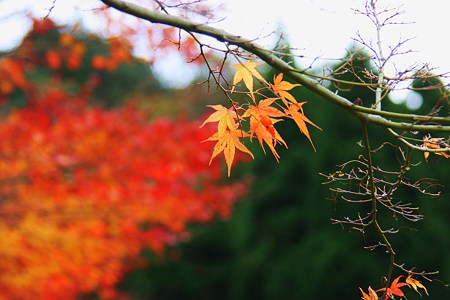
<point>83,189</point>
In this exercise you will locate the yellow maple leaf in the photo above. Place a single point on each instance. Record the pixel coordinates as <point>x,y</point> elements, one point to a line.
<point>228,142</point>
<point>246,72</point>
<point>415,284</point>
<point>224,116</point>
<point>371,296</point>
<point>281,87</point>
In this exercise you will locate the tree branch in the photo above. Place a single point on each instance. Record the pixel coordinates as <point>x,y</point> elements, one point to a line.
<point>270,59</point>
<point>374,201</point>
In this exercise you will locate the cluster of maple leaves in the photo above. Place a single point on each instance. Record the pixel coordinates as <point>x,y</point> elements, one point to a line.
<point>262,113</point>
<point>395,289</point>
<point>83,190</point>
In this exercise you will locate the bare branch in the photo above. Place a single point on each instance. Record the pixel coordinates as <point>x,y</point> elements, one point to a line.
<point>50,9</point>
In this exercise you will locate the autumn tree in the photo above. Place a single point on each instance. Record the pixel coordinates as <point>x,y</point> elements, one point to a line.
<point>267,103</point>
<point>84,188</point>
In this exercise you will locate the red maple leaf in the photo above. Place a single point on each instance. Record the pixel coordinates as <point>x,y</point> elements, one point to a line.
<point>394,289</point>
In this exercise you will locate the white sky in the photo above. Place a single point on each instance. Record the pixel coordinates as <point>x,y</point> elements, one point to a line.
<point>316,27</point>
<point>325,27</point>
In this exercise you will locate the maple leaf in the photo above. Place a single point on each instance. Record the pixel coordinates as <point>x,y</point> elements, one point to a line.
<point>415,284</point>
<point>281,87</point>
<point>295,111</point>
<point>225,118</point>
<point>434,143</point>
<point>394,289</point>
<point>371,296</point>
<point>228,142</point>
<point>261,124</point>
<point>246,72</point>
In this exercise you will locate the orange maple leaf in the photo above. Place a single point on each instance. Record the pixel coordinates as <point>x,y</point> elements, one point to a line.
<point>246,72</point>
<point>434,143</point>
<point>281,87</point>
<point>415,284</point>
<point>295,111</point>
<point>228,142</point>
<point>371,296</point>
<point>394,289</point>
<point>225,118</point>
<point>261,124</point>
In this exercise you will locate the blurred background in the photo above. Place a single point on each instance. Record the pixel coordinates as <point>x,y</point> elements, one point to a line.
<point>106,192</point>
